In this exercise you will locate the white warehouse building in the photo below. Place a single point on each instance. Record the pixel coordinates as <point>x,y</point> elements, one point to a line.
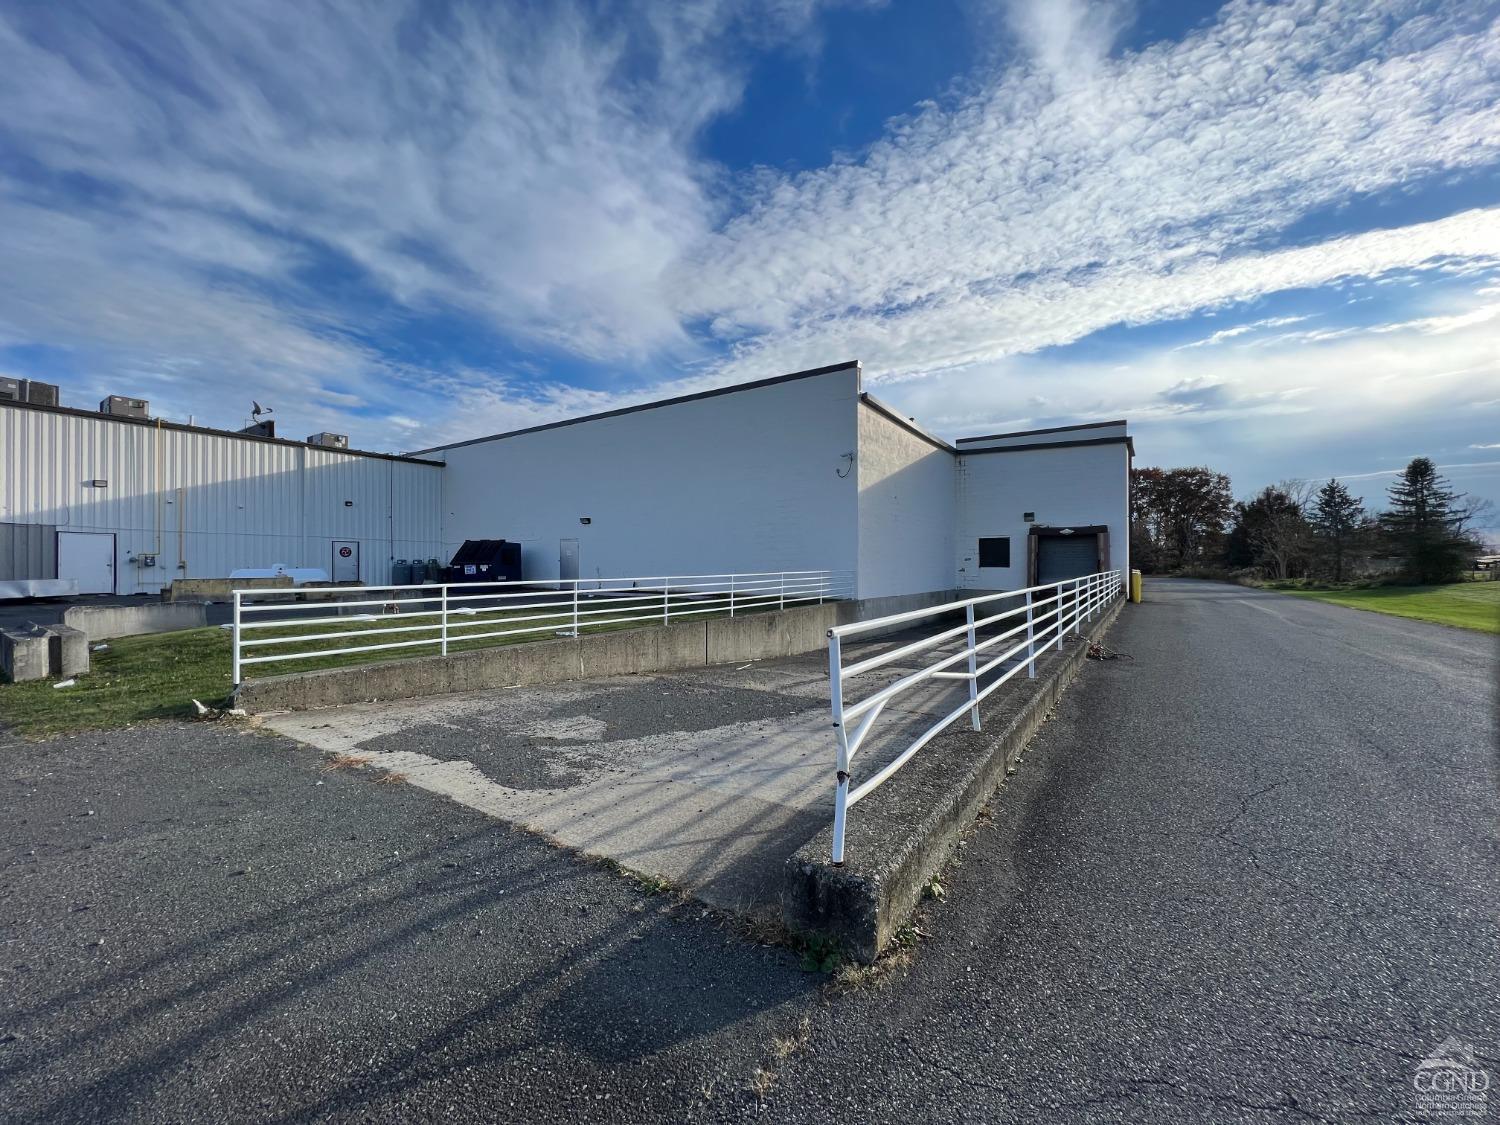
<point>799,472</point>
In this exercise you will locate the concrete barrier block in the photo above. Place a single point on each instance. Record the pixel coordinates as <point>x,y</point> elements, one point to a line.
<point>24,654</point>
<point>67,651</point>
<point>632,651</point>
<point>103,622</point>
<point>900,836</point>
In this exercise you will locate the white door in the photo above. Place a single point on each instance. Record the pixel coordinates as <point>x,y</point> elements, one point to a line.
<point>88,557</point>
<point>346,560</point>
<point>567,559</point>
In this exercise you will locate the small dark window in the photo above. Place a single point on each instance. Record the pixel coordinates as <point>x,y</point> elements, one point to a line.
<point>1029,517</point>
<point>994,551</point>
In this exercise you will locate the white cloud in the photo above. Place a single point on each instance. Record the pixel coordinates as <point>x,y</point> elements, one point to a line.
<point>1243,329</point>
<point>1025,216</point>
<point>539,170</point>
<point>517,161</point>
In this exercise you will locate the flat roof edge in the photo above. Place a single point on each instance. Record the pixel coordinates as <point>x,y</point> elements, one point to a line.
<point>675,401</point>
<point>905,423</point>
<point>1030,447</point>
<point>1046,430</point>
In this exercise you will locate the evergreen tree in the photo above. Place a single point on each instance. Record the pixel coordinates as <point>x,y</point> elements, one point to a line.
<point>1424,524</point>
<point>1335,518</point>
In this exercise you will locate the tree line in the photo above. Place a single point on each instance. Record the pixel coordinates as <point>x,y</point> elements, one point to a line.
<point>1187,519</point>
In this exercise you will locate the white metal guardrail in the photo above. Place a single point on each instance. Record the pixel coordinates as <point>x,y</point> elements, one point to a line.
<point>273,626</point>
<point>1042,616</point>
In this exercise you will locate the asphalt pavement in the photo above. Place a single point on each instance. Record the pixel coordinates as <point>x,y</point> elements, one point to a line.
<point>1249,875</point>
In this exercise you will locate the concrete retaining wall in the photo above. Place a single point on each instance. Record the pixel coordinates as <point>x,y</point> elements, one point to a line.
<point>686,644</point>
<point>900,836</point>
<point>100,622</point>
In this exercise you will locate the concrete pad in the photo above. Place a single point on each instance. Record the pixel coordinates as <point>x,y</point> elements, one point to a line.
<point>711,778</point>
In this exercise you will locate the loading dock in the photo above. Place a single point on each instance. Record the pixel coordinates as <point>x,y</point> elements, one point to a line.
<point>1056,553</point>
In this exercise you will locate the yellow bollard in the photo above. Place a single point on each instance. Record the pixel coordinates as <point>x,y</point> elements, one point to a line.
<point>1135,586</point>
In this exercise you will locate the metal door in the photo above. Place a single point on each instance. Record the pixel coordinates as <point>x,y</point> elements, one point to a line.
<point>89,557</point>
<point>567,559</point>
<point>345,560</point>
<point>1066,556</point>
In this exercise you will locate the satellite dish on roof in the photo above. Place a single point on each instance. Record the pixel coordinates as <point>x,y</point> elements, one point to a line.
<point>256,409</point>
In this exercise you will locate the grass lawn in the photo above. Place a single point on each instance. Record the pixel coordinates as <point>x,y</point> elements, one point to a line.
<point>159,676</point>
<point>1468,605</point>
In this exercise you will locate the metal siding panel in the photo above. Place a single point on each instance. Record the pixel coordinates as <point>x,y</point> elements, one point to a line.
<point>242,503</point>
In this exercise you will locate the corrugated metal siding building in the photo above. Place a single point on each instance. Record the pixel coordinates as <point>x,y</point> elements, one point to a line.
<point>178,501</point>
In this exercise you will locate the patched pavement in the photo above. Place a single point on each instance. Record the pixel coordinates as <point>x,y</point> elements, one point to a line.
<point>709,778</point>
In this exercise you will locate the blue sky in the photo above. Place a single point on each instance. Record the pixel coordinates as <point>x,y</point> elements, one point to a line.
<point>1268,234</point>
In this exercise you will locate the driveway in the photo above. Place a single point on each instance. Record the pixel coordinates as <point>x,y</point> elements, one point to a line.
<point>1250,875</point>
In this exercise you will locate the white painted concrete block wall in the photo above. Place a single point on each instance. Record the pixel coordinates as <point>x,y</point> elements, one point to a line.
<point>745,481</point>
<point>1067,485</point>
<point>907,500</point>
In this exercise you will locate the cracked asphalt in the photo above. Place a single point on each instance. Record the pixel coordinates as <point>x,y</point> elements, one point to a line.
<point>1251,875</point>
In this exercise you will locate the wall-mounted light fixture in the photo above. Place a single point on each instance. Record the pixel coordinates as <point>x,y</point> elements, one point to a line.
<point>585,519</point>
<point>348,503</point>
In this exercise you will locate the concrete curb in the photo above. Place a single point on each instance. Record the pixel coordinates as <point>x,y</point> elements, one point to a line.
<point>903,833</point>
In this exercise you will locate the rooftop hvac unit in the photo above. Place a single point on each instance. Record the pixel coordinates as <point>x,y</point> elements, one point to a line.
<point>41,394</point>
<point>330,441</point>
<point>11,390</point>
<point>117,406</point>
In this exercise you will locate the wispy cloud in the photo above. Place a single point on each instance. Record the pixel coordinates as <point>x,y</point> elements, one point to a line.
<point>1026,216</point>
<point>1243,329</point>
<point>206,197</point>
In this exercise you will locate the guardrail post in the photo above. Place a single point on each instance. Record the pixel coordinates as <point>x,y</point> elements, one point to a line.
<point>973,670</point>
<point>444,619</point>
<point>666,601</point>
<point>841,787</point>
<point>1030,639</point>
<point>1078,607</point>
<point>731,594</point>
<point>782,605</point>
<point>575,609</point>
<point>235,674</point>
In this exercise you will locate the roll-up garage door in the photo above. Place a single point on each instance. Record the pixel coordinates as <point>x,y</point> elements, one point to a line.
<point>1065,556</point>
